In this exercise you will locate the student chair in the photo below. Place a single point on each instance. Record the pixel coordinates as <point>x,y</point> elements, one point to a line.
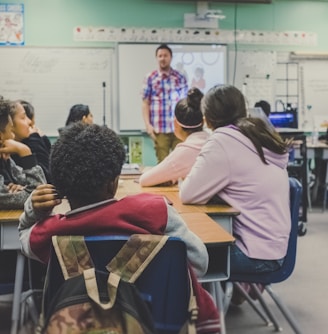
<point>165,281</point>
<point>266,279</point>
<point>20,294</point>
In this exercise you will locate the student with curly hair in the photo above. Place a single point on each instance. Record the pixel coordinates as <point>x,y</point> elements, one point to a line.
<point>188,127</point>
<point>85,165</point>
<point>16,183</point>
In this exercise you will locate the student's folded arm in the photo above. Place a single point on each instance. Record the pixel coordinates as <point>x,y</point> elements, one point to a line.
<point>196,250</point>
<point>12,201</point>
<point>29,174</point>
<point>29,178</point>
<point>208,176</point>
<point>158,174</point>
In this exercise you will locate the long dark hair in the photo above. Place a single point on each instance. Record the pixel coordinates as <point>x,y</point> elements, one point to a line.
<point>76,113</point>
<point>225,105</point>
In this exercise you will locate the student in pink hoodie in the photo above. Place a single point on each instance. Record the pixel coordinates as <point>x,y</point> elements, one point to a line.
<point>244,163</point>
<point>188,127</point>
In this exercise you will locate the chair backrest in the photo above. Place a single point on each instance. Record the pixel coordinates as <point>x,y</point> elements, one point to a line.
<point>164,283</point>
<point>295,194</point>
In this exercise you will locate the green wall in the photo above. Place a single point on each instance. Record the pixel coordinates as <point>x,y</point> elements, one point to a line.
<point>51,22</point>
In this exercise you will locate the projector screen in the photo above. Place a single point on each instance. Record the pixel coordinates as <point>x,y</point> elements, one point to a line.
<point>204,66</point>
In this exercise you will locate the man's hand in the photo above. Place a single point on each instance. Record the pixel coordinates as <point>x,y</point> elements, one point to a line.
<point>45,198</point>
<point>150,131</point>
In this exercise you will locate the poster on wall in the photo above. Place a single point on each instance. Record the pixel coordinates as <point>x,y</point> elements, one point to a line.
<point>12,24</point>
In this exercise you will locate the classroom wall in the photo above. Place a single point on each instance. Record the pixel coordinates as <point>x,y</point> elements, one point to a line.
<point>51,23</point>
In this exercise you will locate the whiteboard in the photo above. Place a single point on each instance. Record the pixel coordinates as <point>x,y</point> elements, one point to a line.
<point>254,73</point>
<point>314,86</point>
<point>54,79</point>
<point>136,60</point>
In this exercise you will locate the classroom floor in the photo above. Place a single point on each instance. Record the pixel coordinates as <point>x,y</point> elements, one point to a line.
<point>304,292</point>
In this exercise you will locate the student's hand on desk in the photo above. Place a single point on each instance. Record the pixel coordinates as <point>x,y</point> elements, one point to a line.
<point>45,197</point>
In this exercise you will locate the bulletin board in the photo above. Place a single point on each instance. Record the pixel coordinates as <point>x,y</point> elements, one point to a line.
<point>54,79</point>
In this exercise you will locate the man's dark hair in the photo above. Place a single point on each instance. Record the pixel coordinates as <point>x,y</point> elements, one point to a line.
<point>265,106</point>
<point>164,46</point>
<point>83,159</point>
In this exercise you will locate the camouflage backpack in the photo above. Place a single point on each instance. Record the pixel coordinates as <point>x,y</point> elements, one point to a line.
<point>91,301</point>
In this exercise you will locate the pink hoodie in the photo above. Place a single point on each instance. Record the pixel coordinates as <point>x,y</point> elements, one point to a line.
<point>229,166</point>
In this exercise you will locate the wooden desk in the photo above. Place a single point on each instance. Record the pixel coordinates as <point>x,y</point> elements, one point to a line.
<point>222,213</point>
<point>207,229</point>
<point>8,229</point>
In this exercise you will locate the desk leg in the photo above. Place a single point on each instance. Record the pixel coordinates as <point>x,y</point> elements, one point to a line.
<point>219,297</point>
<point>19,277</point>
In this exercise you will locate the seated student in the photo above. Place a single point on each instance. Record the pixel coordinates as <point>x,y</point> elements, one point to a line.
<point>78,113</point>
<point>16,183</point>
<point>86,163</point>
<point>30,113</point>
<point>265,106</point>
<point>28,134</point>
<point>188,126</point>
<point>244,163</point>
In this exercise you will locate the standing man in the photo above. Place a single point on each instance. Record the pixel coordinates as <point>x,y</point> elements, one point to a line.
<point>162,89</point>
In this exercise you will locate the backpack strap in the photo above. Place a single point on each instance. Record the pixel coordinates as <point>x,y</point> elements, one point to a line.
<point>92,288</point>
<point>135,255</point>
<point>73,254</point>
<point>189,326</point>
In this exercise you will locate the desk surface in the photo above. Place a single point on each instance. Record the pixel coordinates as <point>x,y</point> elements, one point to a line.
<point>207,229</point>
<point>130,187</point>
<point>319,144</point>
<point>10,215</point>
<point>199,222</point>
<point>194,215</point>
